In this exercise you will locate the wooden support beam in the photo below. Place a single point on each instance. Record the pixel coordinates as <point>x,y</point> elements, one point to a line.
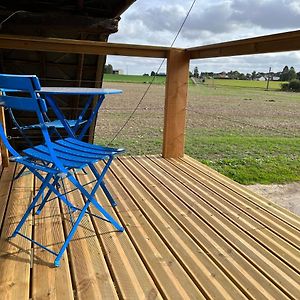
<point>79,46</point>
<point>4,152</point>
<point>287,41</point>
<point>175,103</point>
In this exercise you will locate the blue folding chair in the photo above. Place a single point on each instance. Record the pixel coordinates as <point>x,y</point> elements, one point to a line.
<point>56,159</point>
<point>52,125</point>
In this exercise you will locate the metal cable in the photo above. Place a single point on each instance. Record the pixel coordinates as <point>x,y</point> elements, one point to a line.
<point>151,82</point>
<point>11,15</point>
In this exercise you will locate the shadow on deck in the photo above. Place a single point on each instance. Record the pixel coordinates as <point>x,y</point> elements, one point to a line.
<point>191,233</point>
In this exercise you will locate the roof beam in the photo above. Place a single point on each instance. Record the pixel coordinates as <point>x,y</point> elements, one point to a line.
<point>80,46</point>
<point>288,41</point>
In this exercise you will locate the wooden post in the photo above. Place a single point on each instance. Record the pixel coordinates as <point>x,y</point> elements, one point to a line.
<point>175,103</point>
<point>4,152</point>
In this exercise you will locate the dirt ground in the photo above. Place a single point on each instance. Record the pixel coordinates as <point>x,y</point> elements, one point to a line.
<point>268,112</point>
<point>286,195</point>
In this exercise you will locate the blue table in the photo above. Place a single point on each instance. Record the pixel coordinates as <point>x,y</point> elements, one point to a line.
<point>49,94</point>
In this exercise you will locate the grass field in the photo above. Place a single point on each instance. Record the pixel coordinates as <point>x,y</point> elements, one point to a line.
<point>246,133</point>
<point>133,78</point>
<point>273,85</point>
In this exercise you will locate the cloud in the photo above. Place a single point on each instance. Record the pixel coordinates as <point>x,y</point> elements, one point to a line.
<point>269,14</point>
<point>215,18</point>
<point>156,22</point>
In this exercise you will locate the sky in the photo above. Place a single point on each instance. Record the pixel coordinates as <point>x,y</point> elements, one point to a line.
<point>157,22</point>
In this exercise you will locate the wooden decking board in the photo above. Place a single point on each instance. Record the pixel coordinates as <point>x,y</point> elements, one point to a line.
<point>131,278</point>
<point>191,233</point>
<point>46,281</point>
<point>15,255</point>
<point>190,255</point>
<point>91,276</point>
<point>212,242</point>
<point>168,272</point>
<point>6,180</point>
<point>249,196</point>
<point>248,223</point>
<point>241,242</point>
<point>274,224</point>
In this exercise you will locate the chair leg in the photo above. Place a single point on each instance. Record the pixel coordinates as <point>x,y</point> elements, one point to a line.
<point>55,181</point>
<point>69,238</point>
<point>20,173</point>
<point>90,197</point>
<point>102,184</point>
<point>90,200</point>
<point>107,215</point>
<point>32,205</point>
<point>108,194</point>
<point>51,187</point>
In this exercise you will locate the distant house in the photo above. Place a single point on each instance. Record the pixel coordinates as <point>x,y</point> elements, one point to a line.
<point>275,78</point>
<point>118,72</point>
<point>261,78</point>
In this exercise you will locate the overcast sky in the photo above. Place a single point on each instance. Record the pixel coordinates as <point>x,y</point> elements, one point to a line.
<point>156,22</point>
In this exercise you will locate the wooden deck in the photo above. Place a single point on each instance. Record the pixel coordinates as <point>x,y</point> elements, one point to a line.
<point>191,233</point>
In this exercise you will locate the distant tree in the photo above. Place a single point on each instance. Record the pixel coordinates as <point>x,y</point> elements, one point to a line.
<point>108,69</point>
<point>285,74</point>
<point>242,76</point>
<point>292,74</point>
<point>298,75</point>
<point>145,74</point>
<point>196,72</point>
<point>253,75</point>
<point>152,73</point>
<point>292,86</point>
<point>233,75</point>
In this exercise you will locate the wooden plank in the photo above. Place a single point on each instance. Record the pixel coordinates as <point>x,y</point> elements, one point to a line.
<point>49,282</point>
<point>79,46</point>
<point>131,276</point>
<point>194,258</point>
<point>281,246</point>
<point>175,104</point>
<point>230,263</point>
<point>165,264</point>
<point>4,151</point>
<point>92,278</point>
<point>269,206</point>
<point>5,186</point>
<point>252,249</point>
<point>287,41</point>
<point>238,203</point>
<point>15,255</point>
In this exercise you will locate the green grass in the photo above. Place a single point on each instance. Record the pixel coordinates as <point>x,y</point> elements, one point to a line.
<point>273,85</point>
<point>248,160</point>
<point>136,146</point>
<point>244,153</point>
<point>133,78</point>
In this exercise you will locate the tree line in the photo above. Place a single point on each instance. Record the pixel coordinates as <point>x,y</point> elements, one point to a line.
<point>287,74</point>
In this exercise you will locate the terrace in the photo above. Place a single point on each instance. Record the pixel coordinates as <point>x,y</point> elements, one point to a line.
<point>190,233</point>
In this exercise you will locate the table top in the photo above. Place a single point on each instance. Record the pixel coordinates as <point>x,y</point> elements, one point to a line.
<point>77,91</point>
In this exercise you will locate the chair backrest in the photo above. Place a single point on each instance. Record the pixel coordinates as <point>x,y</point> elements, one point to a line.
<point>19,92</point>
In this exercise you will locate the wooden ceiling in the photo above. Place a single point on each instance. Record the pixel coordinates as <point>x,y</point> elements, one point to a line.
<point>61,18</point>
<point>91,8</point>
